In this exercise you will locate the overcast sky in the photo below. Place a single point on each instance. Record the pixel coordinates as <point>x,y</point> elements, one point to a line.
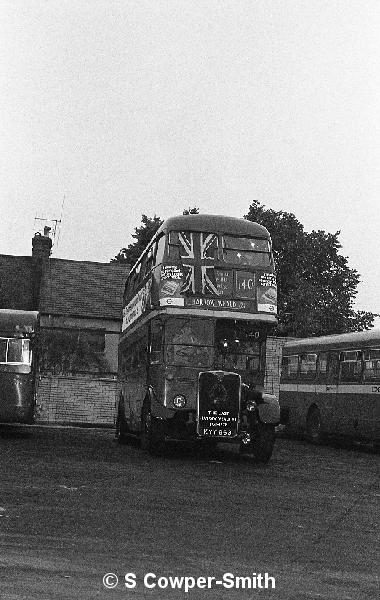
<point>130,107</point>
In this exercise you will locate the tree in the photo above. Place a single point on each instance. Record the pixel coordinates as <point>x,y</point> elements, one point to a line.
<point>316,287</point>
<point>191,211</point>
<point>143,235</point>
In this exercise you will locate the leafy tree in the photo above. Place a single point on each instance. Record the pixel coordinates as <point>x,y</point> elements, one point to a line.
<point>191,211</point>
<point>143,235</point>
<point>316,287</point>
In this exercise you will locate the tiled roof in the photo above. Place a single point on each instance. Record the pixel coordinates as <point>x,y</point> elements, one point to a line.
<point>16,290</point>
<point>83,288</point>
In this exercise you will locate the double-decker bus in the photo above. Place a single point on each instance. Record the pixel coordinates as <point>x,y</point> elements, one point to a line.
<point>197,308</point>
<point>331,386</point>
<point>17,373</point>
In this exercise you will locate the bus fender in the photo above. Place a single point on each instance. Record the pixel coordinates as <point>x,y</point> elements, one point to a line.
<point>155,406</point>
<point>159,411</point>
<point>269,409</point>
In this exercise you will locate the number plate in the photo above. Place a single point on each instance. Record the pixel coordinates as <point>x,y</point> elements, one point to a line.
<point>218,404</point>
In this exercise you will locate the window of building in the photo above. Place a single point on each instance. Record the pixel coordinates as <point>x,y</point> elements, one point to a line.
<point>73,351</point>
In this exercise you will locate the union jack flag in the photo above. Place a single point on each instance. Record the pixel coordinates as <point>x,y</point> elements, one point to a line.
<point>198,264</point>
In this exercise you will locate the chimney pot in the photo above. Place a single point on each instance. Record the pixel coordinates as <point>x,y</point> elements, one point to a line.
<point>41,246</point>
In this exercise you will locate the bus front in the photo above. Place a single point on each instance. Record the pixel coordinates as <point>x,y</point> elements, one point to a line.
<point>215,291</point>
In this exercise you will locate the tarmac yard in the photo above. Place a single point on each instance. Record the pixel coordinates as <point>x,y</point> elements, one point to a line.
<point>82,517</point>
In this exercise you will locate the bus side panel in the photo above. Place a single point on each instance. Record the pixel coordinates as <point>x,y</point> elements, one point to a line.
<point>357,411</point>
<point>296,401</point>
<point>134,390</point>
<point>290,406</point>
<point>308,396</point>
<point>345,409</point>
<point>16,397</point>
<point>318,395</point>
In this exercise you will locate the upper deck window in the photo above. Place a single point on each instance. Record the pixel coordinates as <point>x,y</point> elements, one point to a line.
<point>190,245</point>
<point>246,251</point>
<point>234,250</point>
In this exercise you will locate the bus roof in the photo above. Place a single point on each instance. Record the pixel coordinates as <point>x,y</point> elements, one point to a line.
<point>9,319</point>
<point>214,223</point>
<point>355,340</point>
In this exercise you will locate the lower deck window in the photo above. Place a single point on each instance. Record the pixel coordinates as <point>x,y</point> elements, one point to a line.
<point>351,366</point>
<point>15,351</point>
<point>239,345</point>
<point>372,364</point>
<point>289,369</point>
<point>308,366</point>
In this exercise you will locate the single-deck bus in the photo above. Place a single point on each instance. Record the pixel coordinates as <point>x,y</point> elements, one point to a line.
<point>331,385</point>
<point>197,308</point>
<point>17,330</point>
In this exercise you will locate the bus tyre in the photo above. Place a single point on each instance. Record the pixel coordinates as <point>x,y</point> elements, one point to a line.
<point>263,436</point>
<point>121,427</point>
<point>314,425</point>
<point>152,440</point>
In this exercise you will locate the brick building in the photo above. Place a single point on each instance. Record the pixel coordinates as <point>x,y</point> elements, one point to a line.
<point>80,312</point>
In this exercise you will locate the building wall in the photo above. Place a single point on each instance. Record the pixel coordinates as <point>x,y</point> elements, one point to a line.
<point>70,400</point>
<point>68,392</point>
<point>273,365</point>
<point>80,305</point>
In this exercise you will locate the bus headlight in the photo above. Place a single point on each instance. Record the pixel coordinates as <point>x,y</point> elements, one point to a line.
<point>179,401</point>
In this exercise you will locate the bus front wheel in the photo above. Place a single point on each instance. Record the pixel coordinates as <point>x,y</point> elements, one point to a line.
<point>152,439</point>
<point>314,425</point>
<point>263,436</point>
